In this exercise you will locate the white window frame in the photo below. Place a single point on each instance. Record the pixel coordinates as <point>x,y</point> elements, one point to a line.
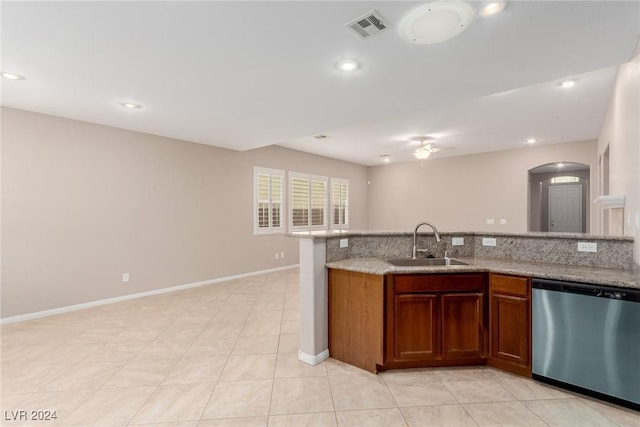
<point>257,230</point>
<point>345,221</point>
<point>325,219</point>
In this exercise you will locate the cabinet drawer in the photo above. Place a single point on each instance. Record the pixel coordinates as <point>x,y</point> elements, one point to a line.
<point>415,283</point>
<point>510,285</point>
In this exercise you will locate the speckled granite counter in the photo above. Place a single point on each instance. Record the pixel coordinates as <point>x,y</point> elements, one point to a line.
<point>601,276</point>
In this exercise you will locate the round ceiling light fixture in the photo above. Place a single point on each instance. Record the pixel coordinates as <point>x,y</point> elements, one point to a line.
<point>567,84</point>
<point>531,140</point>
<point>436,22</point>
<point>347,65</point>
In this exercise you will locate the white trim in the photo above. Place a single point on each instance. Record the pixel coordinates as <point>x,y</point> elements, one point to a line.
<point>76,307</point>
<point>611,201</point>
<point>313,360</point>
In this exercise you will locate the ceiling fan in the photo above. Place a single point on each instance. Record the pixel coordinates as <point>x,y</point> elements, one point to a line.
<point>426,148</point>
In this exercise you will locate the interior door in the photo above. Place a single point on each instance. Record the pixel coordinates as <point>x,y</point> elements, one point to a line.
<point>565,208</point>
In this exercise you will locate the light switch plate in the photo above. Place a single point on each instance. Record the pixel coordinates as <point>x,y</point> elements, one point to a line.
<point>344,243</point>
<point>491,221</point>
<point>587,247</point>
<point>488,241</point>
<point>457,241</point>
<point>503,221</point>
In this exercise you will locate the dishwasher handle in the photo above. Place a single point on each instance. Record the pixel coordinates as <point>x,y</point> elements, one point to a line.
<point>582,290</point>
<point>598,291</point>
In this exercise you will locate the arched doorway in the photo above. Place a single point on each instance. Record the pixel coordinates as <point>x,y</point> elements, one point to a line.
<point>558,197</point>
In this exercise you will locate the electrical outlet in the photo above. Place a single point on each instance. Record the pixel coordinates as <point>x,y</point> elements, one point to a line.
<point>344,243</point>
<point>587,247</point>
<point>125,277</point>
<point>457,241</point>
<point>488,241</point>
<point>491,221</point>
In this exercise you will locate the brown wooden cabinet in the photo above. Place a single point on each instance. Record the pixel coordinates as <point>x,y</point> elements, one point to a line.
<point>435,320</point>
<point>463,325</point>
<point>356,318</point>
<point>419,320</point>
<point>510,323</point>
<point>416,327</point>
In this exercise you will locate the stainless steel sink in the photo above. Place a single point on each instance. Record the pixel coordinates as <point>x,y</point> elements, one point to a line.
<point>423,262</point>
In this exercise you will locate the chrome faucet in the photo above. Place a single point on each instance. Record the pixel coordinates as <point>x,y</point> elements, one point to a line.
<point>415,237</point>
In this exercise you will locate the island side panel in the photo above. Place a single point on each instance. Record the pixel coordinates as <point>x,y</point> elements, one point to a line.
<point>356,318</point>
<point>314,343</point>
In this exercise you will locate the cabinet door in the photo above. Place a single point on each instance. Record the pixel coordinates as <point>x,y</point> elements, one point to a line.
<point>462,326</point>
<point>509,328</point>
<point>416,327</point>
<point>510,323</point>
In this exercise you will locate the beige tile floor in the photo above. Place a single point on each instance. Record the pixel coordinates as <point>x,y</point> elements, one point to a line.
<point>226,355</point>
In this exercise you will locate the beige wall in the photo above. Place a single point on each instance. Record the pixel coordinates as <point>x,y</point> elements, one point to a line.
<point>461,193</point>
<point>82,204</point>
<point>621,133</point>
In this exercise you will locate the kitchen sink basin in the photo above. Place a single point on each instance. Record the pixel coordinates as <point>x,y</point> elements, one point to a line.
<point>423,262</point>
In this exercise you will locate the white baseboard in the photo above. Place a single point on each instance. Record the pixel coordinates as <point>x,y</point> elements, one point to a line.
<point>76,307</point>
<point>313,360</point>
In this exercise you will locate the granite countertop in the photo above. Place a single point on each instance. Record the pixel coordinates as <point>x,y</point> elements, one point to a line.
<point>600,276</point>
<point>541,235</point>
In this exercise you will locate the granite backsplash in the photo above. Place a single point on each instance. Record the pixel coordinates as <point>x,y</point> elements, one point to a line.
<point>556,249</point>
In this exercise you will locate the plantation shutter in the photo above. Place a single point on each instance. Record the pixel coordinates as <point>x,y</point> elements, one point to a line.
<point>269,201</point>
<point>309,197</point>
<point>300,202</point>
<point>339,203</point>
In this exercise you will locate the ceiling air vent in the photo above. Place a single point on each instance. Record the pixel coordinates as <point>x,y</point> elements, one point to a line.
<point>369,24</point>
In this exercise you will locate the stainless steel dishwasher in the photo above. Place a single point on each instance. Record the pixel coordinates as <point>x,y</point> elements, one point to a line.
<point>587,338</point>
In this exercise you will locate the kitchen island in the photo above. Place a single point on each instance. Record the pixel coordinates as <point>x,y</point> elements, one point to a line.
<point>547,255</point>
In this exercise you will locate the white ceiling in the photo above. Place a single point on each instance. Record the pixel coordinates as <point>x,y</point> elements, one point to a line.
<point>242,75</point>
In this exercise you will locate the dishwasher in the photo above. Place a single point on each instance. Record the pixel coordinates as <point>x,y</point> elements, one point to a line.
<point>587,338</point>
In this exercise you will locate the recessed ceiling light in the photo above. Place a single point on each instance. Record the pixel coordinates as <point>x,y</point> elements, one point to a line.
<point>567,84</point>
<point>130,105</point>
<point>385,158</point>
<point>493,8</point>
<point>531,141</point>
<point>436,22</point>
<point>347,65</point>
<point>11,76</point>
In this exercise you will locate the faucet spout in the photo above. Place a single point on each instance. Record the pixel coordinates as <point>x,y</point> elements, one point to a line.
<point>415,237</point>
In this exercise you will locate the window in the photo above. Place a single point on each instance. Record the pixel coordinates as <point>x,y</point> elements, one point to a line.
<point>308,198</point>
<point>564,179</point>
<point>268,201</point>
<point>339,203</point>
